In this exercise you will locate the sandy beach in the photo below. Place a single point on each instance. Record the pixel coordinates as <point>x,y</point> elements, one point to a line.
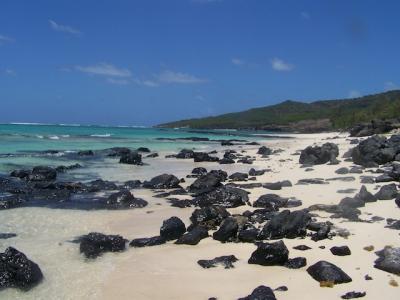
<point>170,271</point>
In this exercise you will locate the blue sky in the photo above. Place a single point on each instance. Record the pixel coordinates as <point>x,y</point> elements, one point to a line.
<point>147,62</point>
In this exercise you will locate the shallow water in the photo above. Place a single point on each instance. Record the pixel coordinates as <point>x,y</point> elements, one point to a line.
<point>43,234</point>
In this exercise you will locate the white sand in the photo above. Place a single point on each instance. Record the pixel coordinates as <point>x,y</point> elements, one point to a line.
<point>171,272</point>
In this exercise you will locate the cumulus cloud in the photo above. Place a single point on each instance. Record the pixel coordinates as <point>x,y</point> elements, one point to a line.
<point>280,65</point>
<point>5,40</point>
<point>104,69</point>
<point>64,28</point>
<point>354,94</point>
<point>169,76</point>
<point>390,85</point>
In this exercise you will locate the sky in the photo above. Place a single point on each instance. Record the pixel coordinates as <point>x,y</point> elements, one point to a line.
<point>145,62</point>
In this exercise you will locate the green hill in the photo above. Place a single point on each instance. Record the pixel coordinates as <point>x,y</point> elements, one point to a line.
<point>300,116</point>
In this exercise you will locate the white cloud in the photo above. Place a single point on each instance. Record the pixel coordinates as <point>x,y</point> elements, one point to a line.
<point>280,65</point>
<point>5,40</point>
<point>118,81</point>
<point>238,61</point>
<point>104,69</point>
<point>390,85</point>
<point>354,94</point>
<point>169,76</point>
<point>64,28</point>
<point>305,15</point>
<point>146,82</point>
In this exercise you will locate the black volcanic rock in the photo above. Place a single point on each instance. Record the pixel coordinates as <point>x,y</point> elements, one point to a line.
<point>368,129</point>
<point>163,181</point>
<point>147,242</point>
<point>324,271</point>
<point>271,202</point>
<point>199,171</point>
<point>287,224</point>
<point>42,173</point>
<point>261,293</point>
<point>389,260</point>
<point>194,236</point>
<point>17,271</point>
<point>270,254</point>
<point>340,251</point>
<point>319,155</point>
<point>353,295</point>
<point>94,244</point>
<point>237,176</point>
<point>124,199</point>
<point>227,231</point>
<point>202,156</point>
<point>225,196</point>
<point>225,261</point>
<point>209,216</point>
<point>172,229</point>
<point>131,158</point>
<point>206,183</point>
<point>185,154</point>
<point>264,151</point>
<point>296,263</point>
<point>387,192</point>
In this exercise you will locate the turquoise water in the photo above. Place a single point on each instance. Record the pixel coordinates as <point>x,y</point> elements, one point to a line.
<point>23,144</point>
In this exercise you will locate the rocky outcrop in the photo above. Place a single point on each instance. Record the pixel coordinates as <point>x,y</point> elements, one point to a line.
<point>172,229</point>
<point>17,271</point>
<point>287,224</point>
<point>123,200</point>
<point>194,236</point>
<point>225,196</point>
<point>270,254</point>
<point>131,158</point>
<point>319,154</point>
<point>368,129</point>
<point>94,244</point>
<point>163,181</point>
<point>376,150</point>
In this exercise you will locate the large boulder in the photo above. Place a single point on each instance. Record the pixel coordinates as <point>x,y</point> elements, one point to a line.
<point>324,271</point>
<point>387,192</point>
<point>271,202</point>
<point>209,216</point>
<point>163,181</point>
<point>202,156</point>
<point>238,176</point>
<point>264,151</point>
<point>17,271</point>
<point>270,254</point>
<point>42,173</point>
<point>227,231</point>
<point>389,260</point>
<point>319,155</point>
<point>194,236</point>
<point>94,244</point>
<point>287,224</point>
<point>225,196</point>
<point>368,129</point>
<point>131,158</point>
<point>185,154</point>
<point>172,229</point>
<point>207,182</point>
<point>376,150</point>
<point>124,199</point>
<point>261,293</point>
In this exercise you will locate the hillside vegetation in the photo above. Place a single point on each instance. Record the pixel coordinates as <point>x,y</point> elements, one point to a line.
<point>328,114</point>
